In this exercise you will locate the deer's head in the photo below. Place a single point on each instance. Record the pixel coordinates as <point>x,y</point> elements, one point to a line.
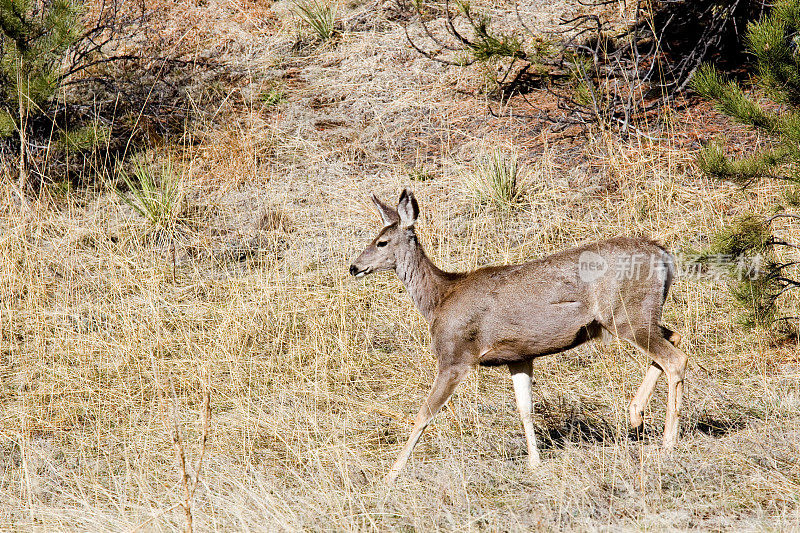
<point>396,238</point>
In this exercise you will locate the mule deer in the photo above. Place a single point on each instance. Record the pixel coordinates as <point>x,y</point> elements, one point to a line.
<point>509,315</point>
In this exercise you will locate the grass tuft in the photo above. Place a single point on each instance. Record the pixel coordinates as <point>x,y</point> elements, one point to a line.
<point>495,180</point>
<point>155,195</point>
<point>272,97</point>
<point>319,15</point>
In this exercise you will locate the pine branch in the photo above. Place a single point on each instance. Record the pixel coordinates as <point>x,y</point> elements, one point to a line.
<point>713,161</point>
<point>729,98</point>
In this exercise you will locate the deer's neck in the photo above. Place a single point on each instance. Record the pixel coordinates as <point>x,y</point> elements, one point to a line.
<point>425,282</point>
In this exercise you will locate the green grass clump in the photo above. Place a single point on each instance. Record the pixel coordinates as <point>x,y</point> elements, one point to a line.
<point>320,16</point>
<point>156,196</point>
<point>420,174</point>
<point>496,180</point>
<point>272,97</point>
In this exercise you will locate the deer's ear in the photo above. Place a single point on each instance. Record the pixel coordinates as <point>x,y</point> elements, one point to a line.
<point>407,208</point>
<point>388,215</point>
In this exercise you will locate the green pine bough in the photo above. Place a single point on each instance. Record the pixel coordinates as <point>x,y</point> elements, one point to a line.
<point>33,41</point>
<point>769,293</point>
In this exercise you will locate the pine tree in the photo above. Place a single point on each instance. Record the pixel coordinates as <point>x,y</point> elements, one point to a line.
<point>34,35</point>
<point>33,39</point>
<point>774,41</point>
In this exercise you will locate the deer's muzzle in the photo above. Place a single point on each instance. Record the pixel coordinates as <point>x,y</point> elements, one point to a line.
<point>359,273</point>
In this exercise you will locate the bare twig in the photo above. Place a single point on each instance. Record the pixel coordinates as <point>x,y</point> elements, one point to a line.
<point>180,457</point>
<point>782,215</point>
<point>189,483</point>
<point>628,74</point>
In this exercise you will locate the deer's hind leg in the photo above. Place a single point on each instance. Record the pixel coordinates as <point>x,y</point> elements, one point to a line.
<point>658,342</point>
<point>673,362</point>
<point>642,398</point>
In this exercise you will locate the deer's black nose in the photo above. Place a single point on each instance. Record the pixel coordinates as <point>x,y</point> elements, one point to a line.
<point>353,270</point>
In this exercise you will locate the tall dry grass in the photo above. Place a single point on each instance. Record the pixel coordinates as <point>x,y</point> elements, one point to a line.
<point>313,377</point>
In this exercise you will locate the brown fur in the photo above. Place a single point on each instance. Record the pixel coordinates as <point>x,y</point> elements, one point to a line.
<point>509,315</point>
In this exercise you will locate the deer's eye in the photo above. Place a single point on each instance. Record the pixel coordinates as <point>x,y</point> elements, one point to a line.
<point>381,244</point>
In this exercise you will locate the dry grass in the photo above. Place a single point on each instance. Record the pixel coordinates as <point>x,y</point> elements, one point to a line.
<point>314,377</point>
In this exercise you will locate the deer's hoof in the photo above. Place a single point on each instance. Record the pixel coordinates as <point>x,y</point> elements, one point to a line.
<point>637,416</point>
<point>391,477</point>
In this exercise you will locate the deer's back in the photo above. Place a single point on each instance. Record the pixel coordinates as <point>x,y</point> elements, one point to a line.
<point>513,312</point>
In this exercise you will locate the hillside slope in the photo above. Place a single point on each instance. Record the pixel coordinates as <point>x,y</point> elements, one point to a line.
<point>112,328</point>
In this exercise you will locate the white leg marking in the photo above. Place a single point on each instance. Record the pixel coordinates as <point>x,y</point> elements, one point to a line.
<point>521,377</point>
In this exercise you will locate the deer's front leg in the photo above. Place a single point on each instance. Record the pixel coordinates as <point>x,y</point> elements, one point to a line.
<point>445,383</point>
<point>521,376</point>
